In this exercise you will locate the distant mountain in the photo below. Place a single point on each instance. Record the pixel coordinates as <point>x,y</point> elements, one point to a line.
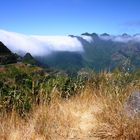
<point>105,34</point>
<point>111,52</point>
<point>125,35</point>
<point>29,59</point>
<point>6,56</point>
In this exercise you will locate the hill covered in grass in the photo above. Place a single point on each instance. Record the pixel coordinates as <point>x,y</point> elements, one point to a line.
<point>29,59</point>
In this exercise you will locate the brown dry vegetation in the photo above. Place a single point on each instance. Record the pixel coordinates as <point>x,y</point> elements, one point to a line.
<point>94,114</point>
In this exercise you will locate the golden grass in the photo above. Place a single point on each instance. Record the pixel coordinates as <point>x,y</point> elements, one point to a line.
<point>91,115</point>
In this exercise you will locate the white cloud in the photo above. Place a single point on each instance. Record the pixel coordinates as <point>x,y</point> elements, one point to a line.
<point>87,38</point>
<point>60,43</point>
<point>106,37</point>
<point>39,45</point>
<point>137,37</point>
<point>123,39</point>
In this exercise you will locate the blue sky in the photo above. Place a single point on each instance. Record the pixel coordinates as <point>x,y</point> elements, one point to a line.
<point>63,17</point>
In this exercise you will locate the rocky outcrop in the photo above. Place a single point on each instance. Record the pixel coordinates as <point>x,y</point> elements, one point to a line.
<point>132,105</point>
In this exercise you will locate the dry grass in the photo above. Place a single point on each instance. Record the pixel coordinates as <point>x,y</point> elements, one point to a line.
<point>91,115</point>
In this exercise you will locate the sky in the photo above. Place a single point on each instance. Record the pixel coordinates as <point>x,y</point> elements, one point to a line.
<point>64,17</point>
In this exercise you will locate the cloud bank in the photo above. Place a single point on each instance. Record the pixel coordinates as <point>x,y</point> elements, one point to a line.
<point>45,45</point>
<point>122,38</point>
<point>39,45</point>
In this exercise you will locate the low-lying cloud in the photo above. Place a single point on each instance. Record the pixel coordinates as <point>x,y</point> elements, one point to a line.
<point>121,38</point>
<point>39,45</point>
<point>45,45</point>
<point>87,38</point>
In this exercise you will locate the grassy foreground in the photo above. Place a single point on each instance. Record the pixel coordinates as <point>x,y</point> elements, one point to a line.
<point>87,116</point>
<point>93,112</point>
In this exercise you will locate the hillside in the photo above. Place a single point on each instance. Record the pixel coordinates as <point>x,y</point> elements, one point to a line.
<point>6,56</point>
<point>28,59</point>
<point>4,50</point>
<point>108,54</point>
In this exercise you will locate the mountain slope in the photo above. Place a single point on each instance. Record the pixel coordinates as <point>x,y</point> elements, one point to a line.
<point>6,56</point>
<point>29,59</point>
<point>4,50</point>
<point>105,53</point>
<point>70,62</point>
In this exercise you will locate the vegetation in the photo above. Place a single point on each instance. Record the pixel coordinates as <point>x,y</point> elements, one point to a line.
<point>38,104</point>
<point>21,85</point>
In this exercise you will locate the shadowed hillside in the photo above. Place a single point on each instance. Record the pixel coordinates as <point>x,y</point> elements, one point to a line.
<point>6,56</point>
<point>4,50</point>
